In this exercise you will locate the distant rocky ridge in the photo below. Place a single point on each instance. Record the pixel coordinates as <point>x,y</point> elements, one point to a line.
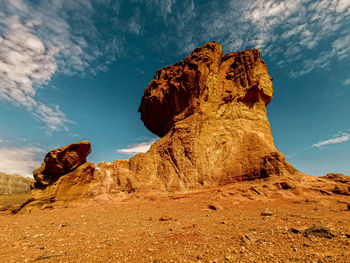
<point>210,112</point>
<point>13,183</point>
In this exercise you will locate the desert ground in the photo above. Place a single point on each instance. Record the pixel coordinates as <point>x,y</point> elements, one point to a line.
<point>216,225</point>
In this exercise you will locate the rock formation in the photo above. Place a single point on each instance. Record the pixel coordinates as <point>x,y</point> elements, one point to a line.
<point>210,112</point>
<point>59,162</point>
<point>63,176</point>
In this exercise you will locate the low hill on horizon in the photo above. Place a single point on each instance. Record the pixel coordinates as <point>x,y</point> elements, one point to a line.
<point>14,183</point>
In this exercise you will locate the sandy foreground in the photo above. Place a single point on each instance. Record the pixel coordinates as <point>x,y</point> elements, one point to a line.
<point>161,227</point>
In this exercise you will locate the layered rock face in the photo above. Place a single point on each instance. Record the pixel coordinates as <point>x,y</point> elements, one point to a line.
<point>210,111</point>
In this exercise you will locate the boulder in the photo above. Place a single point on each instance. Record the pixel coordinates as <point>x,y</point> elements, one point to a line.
<point>60,161</point>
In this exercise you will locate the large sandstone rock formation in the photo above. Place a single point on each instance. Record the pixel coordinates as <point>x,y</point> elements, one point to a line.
<point>210,112</point>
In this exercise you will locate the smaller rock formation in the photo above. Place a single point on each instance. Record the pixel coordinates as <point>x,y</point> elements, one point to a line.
<point>59,162</point>
<point>63,176</point>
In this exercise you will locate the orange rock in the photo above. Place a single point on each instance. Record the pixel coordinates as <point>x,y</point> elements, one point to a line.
<point>210,111</point>
<point>165,218</point>
<point>59,162</point>
<point>63,176</point>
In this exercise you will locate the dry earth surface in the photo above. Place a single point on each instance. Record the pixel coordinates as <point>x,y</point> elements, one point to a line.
<point>160,227</point>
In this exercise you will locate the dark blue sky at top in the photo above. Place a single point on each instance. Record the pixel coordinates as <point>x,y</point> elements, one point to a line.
<point>81,68</point>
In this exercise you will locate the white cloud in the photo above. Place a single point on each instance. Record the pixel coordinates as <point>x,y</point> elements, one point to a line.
<point>164,6</point>
<point>340,50</point>
<point>343,137</point>
<point>285,30</point>
<point>268,13</point>
<point>137,148</point>
<point>20,161</point>
<point>42,39</point>
<point>25,64</point>
<point>343,5</point>
<point>341,46</point>
<point>346,82</point>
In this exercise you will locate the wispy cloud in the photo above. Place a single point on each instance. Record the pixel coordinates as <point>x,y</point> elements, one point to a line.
<point>137,148</point>
<point>341,46</point>
<point>38,40</point>
<point>25,64</point>
<point>284,30</point>
<point>346,82</point>
<point>343,137</point>
<point>164,6</point>
<point>20,161</point>
<point>343,5</point>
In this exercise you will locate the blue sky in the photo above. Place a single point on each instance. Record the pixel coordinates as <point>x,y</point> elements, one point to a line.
<point>76,70</point>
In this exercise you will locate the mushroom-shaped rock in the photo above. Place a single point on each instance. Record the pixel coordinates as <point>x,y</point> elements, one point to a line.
<point>210,111</point>
<point>61,161</point>
<point>206,75</point>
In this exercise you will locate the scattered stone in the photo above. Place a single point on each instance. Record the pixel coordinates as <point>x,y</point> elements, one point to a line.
<point>318,231</point>
<point>215,207</point>
<point>40,247</point>
<point>294,230</point>
<point>249,238</point>
<point>266,213</point>
<point>165,218</point>
<point>297,230</point>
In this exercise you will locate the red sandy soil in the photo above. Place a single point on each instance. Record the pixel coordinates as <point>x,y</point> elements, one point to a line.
<point>129,230</point>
